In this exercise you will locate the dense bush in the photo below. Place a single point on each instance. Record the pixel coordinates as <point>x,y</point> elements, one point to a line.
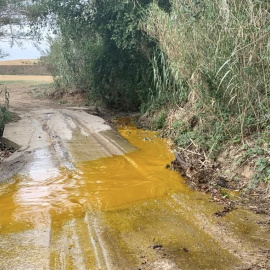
<point>100,48</point>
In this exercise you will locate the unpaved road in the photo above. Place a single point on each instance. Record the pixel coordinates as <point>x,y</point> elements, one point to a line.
<point>77,195</point>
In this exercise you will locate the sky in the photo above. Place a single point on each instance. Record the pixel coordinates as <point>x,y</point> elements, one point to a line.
<point>27,48</point>
<point>26,51</point>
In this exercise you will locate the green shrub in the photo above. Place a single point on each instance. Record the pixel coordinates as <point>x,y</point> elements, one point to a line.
<point>160,120</point>
<point>4,118</point>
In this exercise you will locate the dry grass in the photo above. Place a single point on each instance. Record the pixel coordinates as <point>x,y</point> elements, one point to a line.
<point>26,78</point>
<point>19,62</point>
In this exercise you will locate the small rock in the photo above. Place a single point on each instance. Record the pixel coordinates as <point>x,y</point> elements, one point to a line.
<point>222,182</point>
<point>145,262</point>
<point>157,247</point>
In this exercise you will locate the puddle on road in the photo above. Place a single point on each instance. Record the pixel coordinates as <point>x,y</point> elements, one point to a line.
<point>46,194</point>
<point>138,203</point>
<point>42,167</point>
<point>113,182</point>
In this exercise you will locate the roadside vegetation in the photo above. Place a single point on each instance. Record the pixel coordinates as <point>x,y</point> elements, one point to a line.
<point>197,70</point>
<point>100,49</point>
<point>12,30</point>
<point>4,113</point>
<point>220,50</point>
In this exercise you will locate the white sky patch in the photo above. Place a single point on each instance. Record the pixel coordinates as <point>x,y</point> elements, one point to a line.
<point>24,48</point>
<point>25,51</point>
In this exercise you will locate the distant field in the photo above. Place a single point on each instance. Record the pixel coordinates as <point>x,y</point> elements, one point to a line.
<point>24,67</point>
<point>19,62</point>
<point>26,78</point>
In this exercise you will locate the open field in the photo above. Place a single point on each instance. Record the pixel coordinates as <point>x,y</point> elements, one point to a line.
<point>16,78</point>
<point>23,62</point>
<point>24,67</point>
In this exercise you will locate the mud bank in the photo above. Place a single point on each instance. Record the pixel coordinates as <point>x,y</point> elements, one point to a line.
<point>237,175</point>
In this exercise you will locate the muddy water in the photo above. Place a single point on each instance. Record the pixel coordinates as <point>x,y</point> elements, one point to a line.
<point>120,212</point>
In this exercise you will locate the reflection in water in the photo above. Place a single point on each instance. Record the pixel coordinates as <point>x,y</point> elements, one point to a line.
<point>107,183</point>
<point>34,190</point>
<point>42,166</point>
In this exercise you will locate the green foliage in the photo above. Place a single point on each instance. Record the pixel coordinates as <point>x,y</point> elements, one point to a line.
<point>71,65</point>
<point>4,113</point>
<point>260,153</point>
<point>160,120</point>
<point>224,193</point>
<point>262,170</point>
<point>2,124</point>
<point>5,116</point>
<point>13,23</point>
<point>183,137</point>
<point>100,49</point>
<point>167,87</point>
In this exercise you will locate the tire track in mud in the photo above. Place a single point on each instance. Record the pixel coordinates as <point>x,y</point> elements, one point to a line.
<point>108,140</point>
<point>101,255</point>
<point>79,244</point>
<point>59,149</point>
<point>68,243</point>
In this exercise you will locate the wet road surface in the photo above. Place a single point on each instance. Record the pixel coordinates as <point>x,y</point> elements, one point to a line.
<point>88,198</point>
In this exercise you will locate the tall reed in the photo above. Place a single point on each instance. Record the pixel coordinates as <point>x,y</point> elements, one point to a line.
<point>221,50</point>
<point>167,86</point>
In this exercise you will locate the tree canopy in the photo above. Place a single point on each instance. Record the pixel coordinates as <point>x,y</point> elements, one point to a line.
<point>14,25</point>
<point>103,49</point>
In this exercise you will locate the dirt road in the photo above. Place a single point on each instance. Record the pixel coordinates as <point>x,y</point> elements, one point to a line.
<point>77,195</point>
